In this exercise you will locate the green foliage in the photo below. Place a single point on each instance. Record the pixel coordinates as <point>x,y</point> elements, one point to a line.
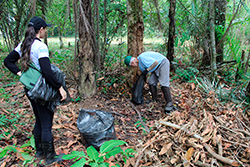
<point>222,92</point>
<point>59,16</point>
<point>138,124</point>
<point>115,56</point>
<point>76,99</point>
<point>8,123</point>
<point>22,151</point>
<point>186,75</point>
<point>96,159</point>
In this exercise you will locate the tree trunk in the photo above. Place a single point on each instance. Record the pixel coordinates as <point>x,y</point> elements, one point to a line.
<point>46,34</point>
<point>135,30</point>
<point>103,50</point>
<point>206,59</point>
<point>171,36</point>
<point>76,18</point>
<point>97,32</point>
<point>60,37</point>
<point>246,64</point>
<point>87,85</point>
<point>212,39</point>
<point>158,13</point>
<point>240,66</point>
<point>220,19</point>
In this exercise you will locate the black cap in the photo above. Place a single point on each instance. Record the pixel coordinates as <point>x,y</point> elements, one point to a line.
<point>38,23</point>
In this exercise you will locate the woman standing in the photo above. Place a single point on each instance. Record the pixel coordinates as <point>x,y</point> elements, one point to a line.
<point>33,49</point>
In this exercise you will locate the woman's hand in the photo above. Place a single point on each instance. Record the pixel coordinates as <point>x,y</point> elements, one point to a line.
<point>63,93</point>
<point>19,73</point>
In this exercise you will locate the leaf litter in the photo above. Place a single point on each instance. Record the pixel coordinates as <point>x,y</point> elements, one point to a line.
<point>201,132</point>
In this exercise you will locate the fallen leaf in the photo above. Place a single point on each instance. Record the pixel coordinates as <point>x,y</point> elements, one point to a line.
<point>165,148</point>
<point>189,153</point>
<point>227,145</point>
<point>173,160</point>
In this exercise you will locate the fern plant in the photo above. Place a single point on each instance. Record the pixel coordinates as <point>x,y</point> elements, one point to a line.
<point>97,159</point>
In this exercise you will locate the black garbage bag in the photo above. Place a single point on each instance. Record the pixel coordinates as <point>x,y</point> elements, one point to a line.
<point>137,94</point>
<point>42,92</point>
<point>96,127</point>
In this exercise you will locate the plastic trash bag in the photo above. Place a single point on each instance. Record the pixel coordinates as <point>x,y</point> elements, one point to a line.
<point>42,92</point>
<point>137,90</point>
<point>96,127</point>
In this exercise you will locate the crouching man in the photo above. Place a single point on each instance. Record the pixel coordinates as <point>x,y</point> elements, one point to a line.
<point>159,67</point>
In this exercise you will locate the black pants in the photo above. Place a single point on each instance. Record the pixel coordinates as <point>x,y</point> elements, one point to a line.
<point>44,120</point>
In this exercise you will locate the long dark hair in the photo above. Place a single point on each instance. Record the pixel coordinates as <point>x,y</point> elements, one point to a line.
<point>30,36</point>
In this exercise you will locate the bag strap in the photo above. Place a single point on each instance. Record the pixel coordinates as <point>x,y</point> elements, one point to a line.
<point>32,65</point>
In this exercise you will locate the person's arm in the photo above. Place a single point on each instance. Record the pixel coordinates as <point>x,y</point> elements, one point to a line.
<point>10,62</point>
<point>50,77</point>
<point>48,73</point>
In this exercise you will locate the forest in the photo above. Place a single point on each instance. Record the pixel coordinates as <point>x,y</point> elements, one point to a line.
<point>208,45</point>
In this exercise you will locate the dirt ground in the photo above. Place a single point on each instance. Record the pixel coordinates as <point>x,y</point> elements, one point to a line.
<point>162,146</point>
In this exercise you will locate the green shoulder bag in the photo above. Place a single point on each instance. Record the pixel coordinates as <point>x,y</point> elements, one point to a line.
<point>30,77</point>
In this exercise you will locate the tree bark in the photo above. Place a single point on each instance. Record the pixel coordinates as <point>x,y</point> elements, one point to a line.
<point>220,19</point>
<point>76,18</point>
<point>240,66</point>
<point>97,32</point>
<point>171,36</point>
<point>135,30</point>
<point>158,13</point>
<point>246,64</point>
<point>212,39</point>
<point>87,85</point>
<point>103,51</point>
<point>206,59</point>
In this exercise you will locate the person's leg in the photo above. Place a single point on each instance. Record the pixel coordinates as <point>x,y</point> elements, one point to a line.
<point>152,81</point>
<point>164,71</point>
<point>46,119</point>
<point>37,131</point>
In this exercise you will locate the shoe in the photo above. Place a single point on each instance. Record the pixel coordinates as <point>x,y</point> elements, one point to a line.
<point>168,99</point>
<point>50,154</point>
<point>38,145</point>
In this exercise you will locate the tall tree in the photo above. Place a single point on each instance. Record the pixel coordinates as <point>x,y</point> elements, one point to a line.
<point>171,35</point>
<point>103,51</point>
<point>135,29</point>
<point>206,59</point>
<point>158,13</point>
<point>97,32</point>
<point>220,19</point>
<point>212,38</point>
<point>87,85</point>
<point>76,20</point>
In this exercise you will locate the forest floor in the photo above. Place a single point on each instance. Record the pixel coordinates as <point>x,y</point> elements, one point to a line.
<point>202,131</point>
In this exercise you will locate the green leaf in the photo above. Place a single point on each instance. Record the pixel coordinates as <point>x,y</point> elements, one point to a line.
<point>26,144</point>
<point>26,156</point>
<point>32,141</point>
<point>104,164</point>
<point>93,164</point>
<point>109,145</point>
<point>79,163</point>
<point>69,156</point>
<point>3,153</point>
<point>92,153</point>
<point>74,154</point>
<point>113,152</point>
